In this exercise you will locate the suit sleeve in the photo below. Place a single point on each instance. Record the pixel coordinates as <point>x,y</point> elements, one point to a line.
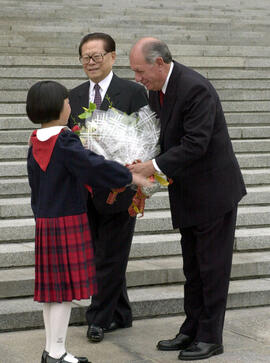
<point>90,168</point>
<point>198,123</point>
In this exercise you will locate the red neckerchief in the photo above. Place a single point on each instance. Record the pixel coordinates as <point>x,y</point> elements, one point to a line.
<point>42,150</point>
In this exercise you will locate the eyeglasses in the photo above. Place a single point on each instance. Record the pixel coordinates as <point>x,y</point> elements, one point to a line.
<point>97,58</point>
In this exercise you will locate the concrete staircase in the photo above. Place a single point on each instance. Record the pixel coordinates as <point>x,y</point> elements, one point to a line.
<point>226,40</point>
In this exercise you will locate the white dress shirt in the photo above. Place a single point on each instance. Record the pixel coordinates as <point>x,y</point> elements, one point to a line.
<point>104,85</point>
<point>164,87</point>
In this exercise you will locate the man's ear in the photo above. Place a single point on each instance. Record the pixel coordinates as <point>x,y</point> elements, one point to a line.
<point>113,55</point>
<point>159,61</point>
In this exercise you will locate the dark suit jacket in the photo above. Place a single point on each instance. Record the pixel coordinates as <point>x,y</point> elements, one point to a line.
<point>196,151</point>
<point>126,96</point>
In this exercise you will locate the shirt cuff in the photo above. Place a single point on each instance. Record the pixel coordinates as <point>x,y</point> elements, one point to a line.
<point>156,166</point>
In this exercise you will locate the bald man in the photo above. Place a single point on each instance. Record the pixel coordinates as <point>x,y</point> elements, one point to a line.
<point>197,154</point>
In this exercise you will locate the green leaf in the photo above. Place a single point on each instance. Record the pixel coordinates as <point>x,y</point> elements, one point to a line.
<point>88,111</point>
<point>92,107</point>
<point>83,115</point>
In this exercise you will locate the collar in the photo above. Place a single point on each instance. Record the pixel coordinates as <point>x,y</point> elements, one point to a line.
<point>46,133</point>
<point>167,79</point>
<point>42,149</point>
<point>104,84</point>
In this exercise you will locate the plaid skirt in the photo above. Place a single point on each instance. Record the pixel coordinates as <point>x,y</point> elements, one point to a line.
<point>64,259</point>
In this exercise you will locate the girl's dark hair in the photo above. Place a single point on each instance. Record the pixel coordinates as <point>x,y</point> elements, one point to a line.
<point>109,43</point>
<point>45,101</point>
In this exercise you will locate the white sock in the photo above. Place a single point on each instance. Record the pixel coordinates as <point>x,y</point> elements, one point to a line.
<point>70,358</point>
<point>57,317</point>
<point>46,324</point>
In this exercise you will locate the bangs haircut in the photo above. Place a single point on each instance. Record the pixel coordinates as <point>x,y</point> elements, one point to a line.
<point>45,101</point>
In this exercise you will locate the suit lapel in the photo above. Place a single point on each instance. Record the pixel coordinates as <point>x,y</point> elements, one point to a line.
<point>83,95</point>
<point>113,94</point>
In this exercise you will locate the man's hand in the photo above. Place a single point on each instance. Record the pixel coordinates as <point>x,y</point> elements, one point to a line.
<point>146,169</point>
<point>140,180</point>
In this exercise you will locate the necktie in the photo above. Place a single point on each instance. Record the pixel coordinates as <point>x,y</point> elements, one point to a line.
<point>97,99</point>
<point>161,98</point>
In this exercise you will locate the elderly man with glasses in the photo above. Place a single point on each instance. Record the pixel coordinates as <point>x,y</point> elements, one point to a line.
<point>112,227</point>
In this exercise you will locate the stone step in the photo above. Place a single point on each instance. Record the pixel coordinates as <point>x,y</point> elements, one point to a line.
<point>17,152</point>
<point>20,206</point>
<point>233,119</point>
<point>109,19</point>
<point>258,160</point>
<point>19,282</point>
<point>24,313</point>
<point>251,146</point>
<point>44,62</point>
<point>248,132</point>
<point>242,85</point>
<point>143,246</point>
<point>16,187</point>
<point>225,95</point>
<point>14,230</point>
<point>10,123</point>
<point>236,132</point>
<point>205,9</point>
<point>61,73</point>
<point>109,13</point>
<point>19,186</point>
<point>13,152</point>
<point>10,169</point>
<point>16,136</point>
<point>228,107</point>
<point>20,86</point>
<point>256,176</point>
<point>13,168</point>
<point>248,119</point>
<point>136,29</point>
<point>124,48</point>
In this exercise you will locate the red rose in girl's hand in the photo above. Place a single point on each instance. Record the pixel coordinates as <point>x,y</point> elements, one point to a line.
<point>76,129</point>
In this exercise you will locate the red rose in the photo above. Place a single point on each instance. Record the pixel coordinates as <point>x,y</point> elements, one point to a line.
<point>75,128</point>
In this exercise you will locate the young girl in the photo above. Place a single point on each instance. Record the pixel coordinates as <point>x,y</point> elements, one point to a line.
<point>58,169</point>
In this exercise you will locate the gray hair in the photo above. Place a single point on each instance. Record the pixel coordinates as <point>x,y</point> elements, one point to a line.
<point>154,49</point>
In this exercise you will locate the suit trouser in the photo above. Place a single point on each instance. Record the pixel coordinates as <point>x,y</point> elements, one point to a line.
<point>207,258</point>
<point>112,237</point>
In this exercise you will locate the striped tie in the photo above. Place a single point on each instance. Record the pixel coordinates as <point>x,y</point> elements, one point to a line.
<point>97,99</point>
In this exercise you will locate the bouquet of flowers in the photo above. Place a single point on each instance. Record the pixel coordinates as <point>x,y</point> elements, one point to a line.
<point>125,139</point>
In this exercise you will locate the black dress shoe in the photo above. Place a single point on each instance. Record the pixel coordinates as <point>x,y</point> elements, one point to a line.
<point>50,359</point>
<point>95,333</point>
<point>114,325</point>
<point>181,341</point>
<point>45,354</point>
<point>200,350</point>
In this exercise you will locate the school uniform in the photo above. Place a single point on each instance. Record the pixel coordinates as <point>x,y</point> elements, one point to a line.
<point>58,169</point>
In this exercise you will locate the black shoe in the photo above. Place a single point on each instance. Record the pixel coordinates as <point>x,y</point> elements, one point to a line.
<point>181,341</point>
<point>200,350</point>
<point>114,326</point>
<point>45,354</point>
<point>95,333</point>
<point>49,359</point>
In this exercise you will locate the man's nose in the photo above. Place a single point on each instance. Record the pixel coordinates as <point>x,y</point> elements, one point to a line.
<point>91,61</point>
